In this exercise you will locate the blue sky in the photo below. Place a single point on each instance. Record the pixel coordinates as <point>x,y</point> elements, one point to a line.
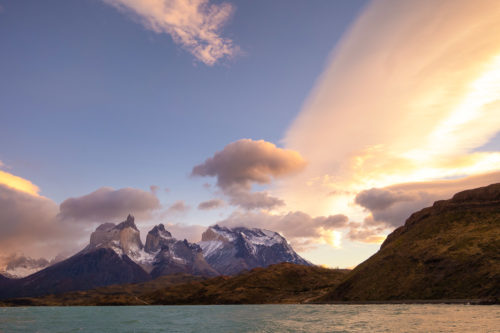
<point>91,98</point>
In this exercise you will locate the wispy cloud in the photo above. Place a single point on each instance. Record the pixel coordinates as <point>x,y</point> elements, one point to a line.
<point>178,207</point>
<point>410,93</point>
<point>211,204</point>
<point>194,24</point>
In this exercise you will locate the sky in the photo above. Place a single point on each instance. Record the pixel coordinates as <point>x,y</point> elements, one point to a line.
<point>327,121</point>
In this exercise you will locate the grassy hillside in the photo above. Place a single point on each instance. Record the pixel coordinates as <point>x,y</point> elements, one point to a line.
<point>448,251</point>
<point>281,283</point>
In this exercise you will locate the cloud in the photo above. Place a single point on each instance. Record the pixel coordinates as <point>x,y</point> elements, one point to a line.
<point>410,94</point>
<point>380,199</point>
<point>154,189</point>
<point>246,162</point>
<point>191,232</point>
<point>177,207</point>
<point>365,233</point>
<point>107,204</point>
<point>28,224</point>
<point>211,204</point>
<point>194,24</point>
<point>299,228</point>
<point>252,200</point>
<point>18,183</point>
<point>391,206</point>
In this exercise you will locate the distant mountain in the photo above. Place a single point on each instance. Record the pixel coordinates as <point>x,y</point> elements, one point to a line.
<point>85,270</point>
<point>124,239</point>
<point>115,255</point>
<point>281,283</point>
<point>3,280</point>
<point>21,266</point>
<point>232,250</point>
<point>448,251</point>
<point>174,256</point>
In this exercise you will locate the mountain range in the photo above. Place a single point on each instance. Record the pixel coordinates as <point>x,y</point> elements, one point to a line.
<point>116,255</point>
<point>449,252</point>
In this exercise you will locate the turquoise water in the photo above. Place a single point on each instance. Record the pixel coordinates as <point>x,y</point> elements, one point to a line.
<point>254,318</point>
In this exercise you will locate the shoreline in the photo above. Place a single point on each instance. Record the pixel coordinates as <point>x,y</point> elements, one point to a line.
<point>489,301</point>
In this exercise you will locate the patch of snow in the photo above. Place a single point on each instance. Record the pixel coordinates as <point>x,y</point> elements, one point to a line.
<point>209,247</point>
<point>142,257</point>
<point>263,237</point>
<point>173,256</point>
<point>21,271</point>
<point>115,246</point>
<point>225,232</point>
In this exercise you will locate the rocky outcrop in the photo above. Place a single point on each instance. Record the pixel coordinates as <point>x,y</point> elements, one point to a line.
<point>232,250</point>
<point>157,239</point>
<point>123,238</point>
<point>175,256</point>
<point>448,251</point>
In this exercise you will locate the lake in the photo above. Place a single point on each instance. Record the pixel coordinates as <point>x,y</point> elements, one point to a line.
<point>254,318</point>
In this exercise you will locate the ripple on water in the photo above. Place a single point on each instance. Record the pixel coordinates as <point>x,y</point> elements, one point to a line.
<point>254,318</point>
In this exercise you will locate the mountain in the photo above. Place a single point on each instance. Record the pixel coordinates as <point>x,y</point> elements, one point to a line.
<point>232,250</point>
<point>85,270</point>
<point>114,255</point>
<point>21,266</point>
<point>280,283</point>
<point>448,251</point>
<point>3,280</point>
<point>174,256</point>
<point>124,239</point>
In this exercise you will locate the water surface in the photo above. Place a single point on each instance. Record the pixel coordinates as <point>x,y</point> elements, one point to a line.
<point>254,318</point>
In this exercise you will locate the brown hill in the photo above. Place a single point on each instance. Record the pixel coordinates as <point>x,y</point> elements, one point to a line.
<point>448,251</point>
<point>280,283</point>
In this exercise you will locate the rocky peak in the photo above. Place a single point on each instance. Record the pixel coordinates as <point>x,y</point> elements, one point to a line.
<point>128,223</point>
<point>157,239</point>
<point>231,250</point>
<point>217,233</point>
<point>123,238</point>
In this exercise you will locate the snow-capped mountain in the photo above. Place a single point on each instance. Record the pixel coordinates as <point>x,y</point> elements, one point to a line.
<point>116,255</point>
<point>174,256</point>
<point>123,239</point>
<point>231,250</point>
<point>162,254</point>
<point>21,266</point>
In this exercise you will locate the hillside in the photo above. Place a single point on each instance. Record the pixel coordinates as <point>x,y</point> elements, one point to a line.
<point>448,251</point>
<point>281,283</point>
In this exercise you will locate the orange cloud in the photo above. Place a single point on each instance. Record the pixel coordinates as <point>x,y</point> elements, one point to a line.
<point>410,93</point>
<point>18,183</point>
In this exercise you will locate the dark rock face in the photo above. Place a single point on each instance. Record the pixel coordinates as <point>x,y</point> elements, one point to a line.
<point>83,271</point>
<point>175,256</point>
<point>157,239</point>
<point>450,250</point>
<point>231,251</point>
